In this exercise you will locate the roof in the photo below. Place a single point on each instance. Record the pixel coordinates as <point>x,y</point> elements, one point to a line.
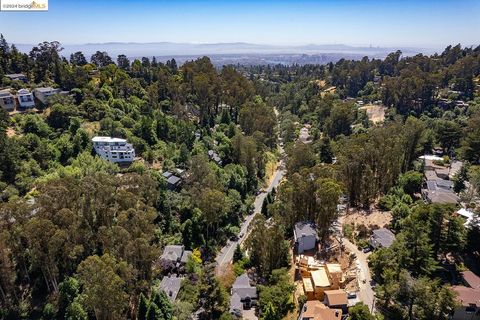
<point>236,303</point>
<point>320,278</point>
<point>305,229</point>
<point>173,252</point>
<point>472,279</point>
<point>5,92</point>
<point>441,196</point>
<point>15,75</point>
<point>45,89</point>
<point>307,284</point>
<point>173,180</point>
<point>465,213</point>
<point>336,297</point>
<point>242,287</point>
<point>24,91</point>
<point>430,157</point>
<point>384,237</point>
<point>167,174</point>
<point>171,286</point>
<point>316,310</point>
<point>107,139</point>
<point>467,296</point>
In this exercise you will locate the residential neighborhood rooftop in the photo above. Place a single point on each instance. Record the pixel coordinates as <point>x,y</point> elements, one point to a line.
<point>171,286</point>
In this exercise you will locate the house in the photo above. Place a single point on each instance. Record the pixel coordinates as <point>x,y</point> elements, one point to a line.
<point>17,76</point>
<point>25,99</point>
<point>468,215</point>
<point>304,135</point>
<point>305,236</point>
<point>337,299</point>
<point>243,296</point>
<point>214,157</point>
<point>315,310</point>
<point>468,297</point>
<point>173,181</point>
<point>437,188</point>
<point>171,285</point>
<point>381,238</point>
<point>114,149</point>
<point>7,100</point>
<point>176,254</point>
<point>335,274</point>
<point>43,93</point>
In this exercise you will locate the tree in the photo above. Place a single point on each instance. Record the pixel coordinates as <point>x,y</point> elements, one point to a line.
<point>237,254</point>
<point>275,298</point>
<point>143,306</point>
<point>411,182</point>
<point>214,299</point>
<point>103,286</point>
<point>360,311</point>
<point>123,62</point>
<point>78,59</point>
<point>101,59</point>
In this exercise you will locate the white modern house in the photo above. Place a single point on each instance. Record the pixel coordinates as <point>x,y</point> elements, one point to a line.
<point>114,149</point>
<point>7,100</point>
<point>25,99</point>
<point>43,93</point>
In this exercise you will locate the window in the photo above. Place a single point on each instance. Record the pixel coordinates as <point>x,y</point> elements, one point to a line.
<point>471,308</point>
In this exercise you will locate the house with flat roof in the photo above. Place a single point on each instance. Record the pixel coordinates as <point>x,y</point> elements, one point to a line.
<point>44,93</point>
<point>437,188</point>
<point>173,180</point>
<point>25,99</point>
<point>171,285</point>
<point>243,295</point>
<point>468,297</point>
<point>17,76</point>
<point>381,238</point>
<point>315,310</point>
<point>305,236</point>
<point>115,150</point>
<point>7,100</point>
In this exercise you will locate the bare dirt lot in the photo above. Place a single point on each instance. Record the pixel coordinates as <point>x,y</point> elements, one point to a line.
<point>375,112</point>
<point>370,219</point>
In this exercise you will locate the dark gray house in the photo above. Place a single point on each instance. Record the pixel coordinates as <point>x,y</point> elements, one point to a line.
<point>175,254</point>
<point>243,296</point>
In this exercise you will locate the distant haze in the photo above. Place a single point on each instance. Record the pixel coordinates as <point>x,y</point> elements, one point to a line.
<point>232,53</point>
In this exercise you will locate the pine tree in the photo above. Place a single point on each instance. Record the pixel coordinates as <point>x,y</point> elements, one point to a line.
<point>237,254</point>
<point>142,307</point>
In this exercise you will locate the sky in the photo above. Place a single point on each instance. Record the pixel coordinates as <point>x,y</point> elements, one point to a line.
<point>386,23</point>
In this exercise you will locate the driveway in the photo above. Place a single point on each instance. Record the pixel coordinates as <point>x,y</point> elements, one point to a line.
<point>366,293</point>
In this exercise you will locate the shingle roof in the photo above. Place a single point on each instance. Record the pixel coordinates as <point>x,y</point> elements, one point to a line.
<point>173,252</point>
<point>242,287</point>
<point>472,279</point>
<point>384,237</point>
<point>171,286</point>
<point>336,297</point>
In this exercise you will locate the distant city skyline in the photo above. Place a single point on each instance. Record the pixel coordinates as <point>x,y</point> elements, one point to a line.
<point>388,23</point>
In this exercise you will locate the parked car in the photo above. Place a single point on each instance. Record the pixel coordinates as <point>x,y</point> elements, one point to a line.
<point>351,295</point>
<point>234,238</point>
<point>367,249</point>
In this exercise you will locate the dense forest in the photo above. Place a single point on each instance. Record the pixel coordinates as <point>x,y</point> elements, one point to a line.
<point>80,237</point>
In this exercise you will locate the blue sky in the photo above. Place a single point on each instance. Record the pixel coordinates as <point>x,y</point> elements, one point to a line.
<point>425,23</point>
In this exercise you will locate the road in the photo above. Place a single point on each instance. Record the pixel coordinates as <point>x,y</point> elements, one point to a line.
<point>225,255</point>
<point>366,293</point>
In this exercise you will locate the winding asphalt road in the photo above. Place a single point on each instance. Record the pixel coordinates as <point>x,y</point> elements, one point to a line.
<point>225,255</point>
